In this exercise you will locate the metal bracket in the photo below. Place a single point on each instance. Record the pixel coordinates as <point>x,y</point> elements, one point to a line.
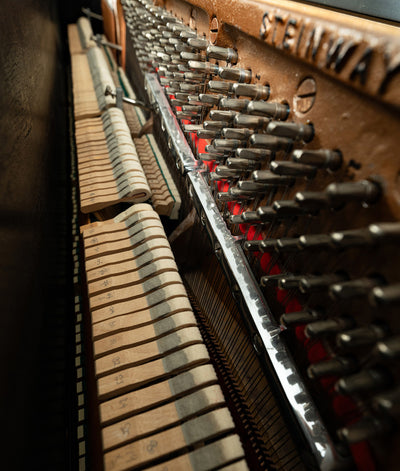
<point>246,291</point>
<point>98,39</point>
<point>176,139</point>
<point>90,14</point>
<point>121,98</point>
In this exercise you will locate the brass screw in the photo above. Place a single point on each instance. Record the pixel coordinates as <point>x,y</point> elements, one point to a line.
<point>214,27</point>
<point>304,99</point>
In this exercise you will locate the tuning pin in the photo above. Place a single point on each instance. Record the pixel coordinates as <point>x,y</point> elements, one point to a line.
<point>191,56</point>
<point>241,194</point>
<point>266,214</point>
<point>312,283</point>
<point>223,115</point>
<point>251,122</point>
<point>162,57</point>
<point>270,142</point>
<point>225,172</point>
<point>243,164</point>
<point>172,68</point>
<point>270,110</point>
<point>328,326</point>
<point>236,133</point>
<point>186,34</point>
<point>213,177</point>
<point>353,288</point>
<point>252,245</point>
<point>183,47</point>
<point>177,28</point>
<point>322,158</point>
<point>258,92</point>
<point>189,107</point>
<point>338,365</point>
<point>198,43</point>
<point>209,99</point>
<point>287,208</point>
<point>166,34</point>
<point>218,86</point>
<point>289,281</point>
<point>250,217</point>
<point>236,74</point>
<point>206,67</point>
<point>362,336</point>
<point>271,280</point>
<point>207,134</point>
<point>288,244</point>
<point>176,58</point>
<point>386,296</point>
<point>248,185</point>
<point>169,50</point>
<point>254,154</point>
<point>370,379</point>
<point>312,199</point>
<point>221,53</point>
<point>211,157</point>
<point>387,232</point>
<point>265,176</point>
<point>351,238</point>
<point>194,100</point>
<point>235,219</point>
<point>236,104</point>
<point>315,241</point>
<point>283,167</point>
<point>182,96</point>
<point>215,125</point>
<point>175,102</point>
<point>211,150</point>
<point>182,67</point>
<point>267,246</point>
<point>190,87</point>
<point>292,319</point>
<point>389,349</point>
<point>194,76</point>
<point>186,115</point>
<point>192,127</point>
<point>227,144</point>
<point>388,402</point>
<point>229,196</point>
<point>293,131</point>
<point>172,87</point>
<point>366,428</point>
<point>365,191</point>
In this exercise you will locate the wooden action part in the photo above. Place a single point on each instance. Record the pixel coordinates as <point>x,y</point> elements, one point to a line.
<point>157,391</point>
<point>136,355</point>
<point>223,451</point>
<point>153,420</point>
<point>161,444</point>
<point>138,376</point>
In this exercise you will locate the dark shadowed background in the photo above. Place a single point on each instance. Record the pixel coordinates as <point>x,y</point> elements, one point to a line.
<point>35,247</point>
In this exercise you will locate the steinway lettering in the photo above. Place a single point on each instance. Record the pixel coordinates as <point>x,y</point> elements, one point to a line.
<point>350,56</point>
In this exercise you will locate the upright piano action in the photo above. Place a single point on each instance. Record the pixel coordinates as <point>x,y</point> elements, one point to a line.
<point>279,124</point>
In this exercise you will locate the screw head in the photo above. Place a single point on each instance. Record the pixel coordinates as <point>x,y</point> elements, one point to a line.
<point>214,28</point>
<point>305,96</point>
